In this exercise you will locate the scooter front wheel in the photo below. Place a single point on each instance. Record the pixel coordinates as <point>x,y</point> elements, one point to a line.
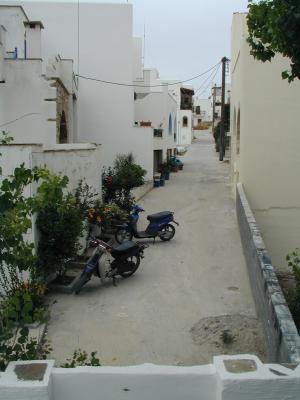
<point>84,278</point>
<point>122,235</point>
<point>167,232</point>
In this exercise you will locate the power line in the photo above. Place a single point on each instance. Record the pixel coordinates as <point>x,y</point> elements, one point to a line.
<point>207,79</point>
<point>17,119</point>
<point>146,86</point>
<point>210,81</point>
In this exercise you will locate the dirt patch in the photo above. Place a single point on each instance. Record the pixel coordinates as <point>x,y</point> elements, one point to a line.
<point>230,334</point>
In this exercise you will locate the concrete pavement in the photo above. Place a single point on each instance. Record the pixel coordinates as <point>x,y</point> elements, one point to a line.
<point>201,273</point>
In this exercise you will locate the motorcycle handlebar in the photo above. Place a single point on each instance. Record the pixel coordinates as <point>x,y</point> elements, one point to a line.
<point>98,242</point>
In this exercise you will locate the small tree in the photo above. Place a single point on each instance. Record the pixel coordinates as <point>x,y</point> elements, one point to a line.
<point>274,27</point>
<point>60,224</point>
<point>16,253</point>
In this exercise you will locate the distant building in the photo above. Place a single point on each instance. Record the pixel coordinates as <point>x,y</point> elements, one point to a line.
<point>202,111</point>
<point>157,108</point>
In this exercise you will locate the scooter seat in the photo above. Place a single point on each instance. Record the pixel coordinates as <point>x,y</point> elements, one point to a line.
<point>124,248</point>
<point>159,216</point>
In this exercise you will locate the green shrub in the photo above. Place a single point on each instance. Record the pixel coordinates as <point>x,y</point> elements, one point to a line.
<point>81,358</point>
<point>16,254</point>
<point>24,304</point>
<point>85,198</point>
<point>293,295</point>
<point>60,224</point>
<point>119,180</point>
<point>16,345</point>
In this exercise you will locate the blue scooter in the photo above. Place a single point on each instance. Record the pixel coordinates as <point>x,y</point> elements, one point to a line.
<point>159,225</point>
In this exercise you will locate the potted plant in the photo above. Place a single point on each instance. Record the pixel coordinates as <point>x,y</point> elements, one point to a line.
<point>165,169</point>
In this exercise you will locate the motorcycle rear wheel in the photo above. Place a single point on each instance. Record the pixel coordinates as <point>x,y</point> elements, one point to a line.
<point>135,260</point>
<point>84,278</point>
<point>122,235</point>
<point>167,232</point>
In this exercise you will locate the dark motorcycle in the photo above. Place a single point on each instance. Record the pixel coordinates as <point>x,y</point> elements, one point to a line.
<point>159,226</point>
<point>127,258</point>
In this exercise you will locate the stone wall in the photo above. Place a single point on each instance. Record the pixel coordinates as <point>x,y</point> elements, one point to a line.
<point>282,336</point>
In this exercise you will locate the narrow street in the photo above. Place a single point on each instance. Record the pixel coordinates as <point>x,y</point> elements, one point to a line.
<point>155,316</point>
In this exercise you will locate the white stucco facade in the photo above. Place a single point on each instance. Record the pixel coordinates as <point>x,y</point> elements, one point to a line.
<point>98,37</point>
<point>34,94</point>
<point>155,106</point>
<point>184,134</point>
<point>265,143</point>
<point>202,111</point>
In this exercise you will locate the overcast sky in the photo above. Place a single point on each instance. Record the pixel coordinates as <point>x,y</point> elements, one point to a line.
<point>185,37</point>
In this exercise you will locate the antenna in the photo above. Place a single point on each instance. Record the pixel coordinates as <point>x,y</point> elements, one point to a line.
<point>144,58</point>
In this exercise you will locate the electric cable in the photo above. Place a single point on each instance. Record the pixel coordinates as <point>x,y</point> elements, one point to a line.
<point>146,86</point>
<point>207,79</point>
<point>210,82</point>
<point>17,119</point>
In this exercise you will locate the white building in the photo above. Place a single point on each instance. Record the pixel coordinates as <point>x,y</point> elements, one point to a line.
<point>38,108</point>
<point>155,107</point>
<point>183,96</point>
<point>98,37</point>
<point>216,100</point>
<point>265,143</point>
<point>202,111</point>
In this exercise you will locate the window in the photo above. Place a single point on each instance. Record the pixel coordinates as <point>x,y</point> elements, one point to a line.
<point>238,132</point>
<point>63,131</point>
<point>185,122</point>
<point>198,111</point>
<point>170,124</point>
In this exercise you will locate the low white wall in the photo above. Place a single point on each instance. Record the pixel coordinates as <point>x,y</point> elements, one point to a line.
<point>141,191</point>
<point>241,377</point>
<point>77,161</point>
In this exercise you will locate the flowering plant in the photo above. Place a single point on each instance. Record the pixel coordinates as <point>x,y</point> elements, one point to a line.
<point>106,214</point>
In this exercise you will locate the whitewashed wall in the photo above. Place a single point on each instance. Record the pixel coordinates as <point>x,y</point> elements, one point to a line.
<point>205,107</point>
<point>23,93</point>
<point>157,107</point>
<point>105,112</point>
<point>77,161</point>
<point>12,19</point>
<point>142,139</point>
<point>185,133</point>
<point>268,164</point>
<point>241,377</point>
<point>137,58</point>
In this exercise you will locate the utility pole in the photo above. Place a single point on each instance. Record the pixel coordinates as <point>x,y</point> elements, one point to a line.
<point>222,125</point>
<point>214,107</point>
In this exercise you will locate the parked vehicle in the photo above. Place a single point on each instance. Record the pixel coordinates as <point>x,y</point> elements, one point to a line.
<point>127,258</point>
<point>159,225</point>
<point>176,162</point>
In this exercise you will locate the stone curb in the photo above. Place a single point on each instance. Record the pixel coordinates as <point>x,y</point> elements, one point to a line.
<point>283,340</point>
